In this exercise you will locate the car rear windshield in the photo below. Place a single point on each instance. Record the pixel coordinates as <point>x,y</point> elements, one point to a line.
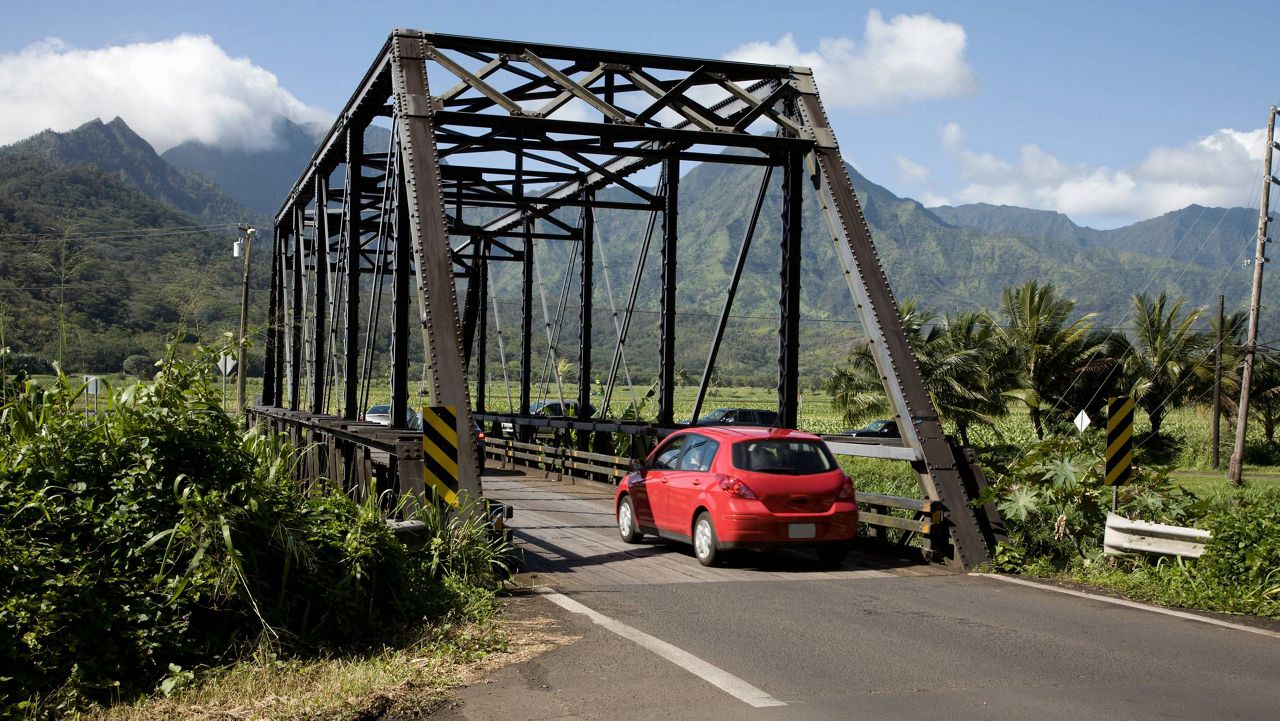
<point>795,458</point>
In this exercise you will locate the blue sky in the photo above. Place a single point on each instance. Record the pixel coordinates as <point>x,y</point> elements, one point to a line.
<point>1110,112</point>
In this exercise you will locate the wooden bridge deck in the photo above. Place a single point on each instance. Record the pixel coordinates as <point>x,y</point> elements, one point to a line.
<point>570,542</point>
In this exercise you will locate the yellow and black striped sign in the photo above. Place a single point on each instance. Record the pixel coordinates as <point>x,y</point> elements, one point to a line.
<point>1119,441</point>
<point>440,451</point>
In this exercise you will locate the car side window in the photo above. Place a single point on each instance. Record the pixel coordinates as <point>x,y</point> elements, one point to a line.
<point>698,454</point>
<point>668,454</point>
<point>729,417</point>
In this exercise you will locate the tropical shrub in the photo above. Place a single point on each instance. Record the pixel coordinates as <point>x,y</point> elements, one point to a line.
<point>1054,502</point>
<point>155,537</point>
<point>139,366</point>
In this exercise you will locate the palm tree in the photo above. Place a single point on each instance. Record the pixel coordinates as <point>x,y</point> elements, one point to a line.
<point>991,375</point>
<point>1165,357</point>
<point>1233,330</point>
<point>1265,394</point>
<point>965,370</point>
<point>1050,352</point>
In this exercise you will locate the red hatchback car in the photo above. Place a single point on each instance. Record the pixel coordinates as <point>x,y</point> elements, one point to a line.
<point>721,488</point>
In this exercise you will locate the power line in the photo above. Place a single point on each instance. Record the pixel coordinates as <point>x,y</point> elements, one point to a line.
<point>76,235</point>
<point>123,235</point>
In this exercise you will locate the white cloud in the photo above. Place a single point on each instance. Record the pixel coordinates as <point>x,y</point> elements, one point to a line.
<point>169,91</point>
<point>1219,169</point>
<point>907,58</point>
<point>909,172</point>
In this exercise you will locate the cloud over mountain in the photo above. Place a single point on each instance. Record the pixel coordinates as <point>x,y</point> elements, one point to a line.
<point>1221,169</point>
<point>904,59</point>
<point>169,91</point>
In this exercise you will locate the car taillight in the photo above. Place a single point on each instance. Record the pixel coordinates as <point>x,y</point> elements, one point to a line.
<point>736,488</point>
<point>846,490</point>
<point>480,436</point>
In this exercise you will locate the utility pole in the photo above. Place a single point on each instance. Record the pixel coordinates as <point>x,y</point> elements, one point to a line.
<point>1255,301</point>
<point>1217,387</point>
<point>249,234</point>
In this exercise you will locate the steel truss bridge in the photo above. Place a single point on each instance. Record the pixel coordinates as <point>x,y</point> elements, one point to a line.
<point>498,148</point>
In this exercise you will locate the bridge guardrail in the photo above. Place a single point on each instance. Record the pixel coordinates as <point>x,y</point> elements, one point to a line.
<point>1123,535</point>
<point>875,509</point>
<point>926,525</point>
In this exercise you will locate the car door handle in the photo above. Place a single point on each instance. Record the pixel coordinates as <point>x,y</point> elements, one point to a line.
<point>695,483</point>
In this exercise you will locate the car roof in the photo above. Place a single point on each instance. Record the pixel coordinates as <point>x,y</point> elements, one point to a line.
<point>733,434</point>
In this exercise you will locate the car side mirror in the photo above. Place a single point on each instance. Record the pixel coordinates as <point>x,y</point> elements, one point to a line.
<point>637,465</point>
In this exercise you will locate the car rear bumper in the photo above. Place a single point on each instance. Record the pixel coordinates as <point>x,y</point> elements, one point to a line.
<point>768,530</point>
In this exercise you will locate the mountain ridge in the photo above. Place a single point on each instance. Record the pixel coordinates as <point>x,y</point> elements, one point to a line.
<point>115,149</point>
<point>950,258</point>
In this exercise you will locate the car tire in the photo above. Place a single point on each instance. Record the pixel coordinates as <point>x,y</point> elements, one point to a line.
<point>706,547</point>
<point>628,526</point>
<point>833,554</point>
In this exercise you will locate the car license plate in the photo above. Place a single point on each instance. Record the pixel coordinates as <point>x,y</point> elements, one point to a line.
<point>802,530</point>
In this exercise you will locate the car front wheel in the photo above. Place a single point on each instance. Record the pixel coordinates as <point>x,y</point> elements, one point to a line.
<point>705,545</point>
<point>627,527</point>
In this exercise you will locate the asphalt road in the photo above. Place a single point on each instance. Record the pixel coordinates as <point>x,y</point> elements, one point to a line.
<point>893,643</point>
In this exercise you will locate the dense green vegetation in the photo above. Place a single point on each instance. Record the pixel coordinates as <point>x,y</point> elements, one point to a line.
<point>1050,488</point>
<point>1055,505</point>
<point>93,270</point>
<point>155,538</point>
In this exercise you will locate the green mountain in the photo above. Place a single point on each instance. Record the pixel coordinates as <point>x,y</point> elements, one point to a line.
<point>103,234</point>
<point>256,179</point>
<point>113,148</point>
<point>260,179</point>
<point>1209,237</point>
<point>106,249</point>
<point>943,263</point>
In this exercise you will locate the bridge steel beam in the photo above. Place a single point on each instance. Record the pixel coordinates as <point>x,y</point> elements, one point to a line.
<point>320,329</point>
<point>355,188</point>
<point>667,319</point>
<point>939,473</point>
<point>271,379</point>
<point>532,133</point>
<point>789,299</point>
<point>586,291</point>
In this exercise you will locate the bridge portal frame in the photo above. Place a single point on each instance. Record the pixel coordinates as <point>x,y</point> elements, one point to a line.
<point>521,134</point>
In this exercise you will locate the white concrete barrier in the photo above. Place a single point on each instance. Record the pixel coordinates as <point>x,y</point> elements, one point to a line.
<point>1126,536</point>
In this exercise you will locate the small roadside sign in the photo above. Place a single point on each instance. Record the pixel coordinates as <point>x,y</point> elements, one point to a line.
<point>1082,421</point>
<point>226,364</point>
<point>92,385</point>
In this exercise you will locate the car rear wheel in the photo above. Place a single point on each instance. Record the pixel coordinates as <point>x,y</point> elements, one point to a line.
<point>705,545</point>
<point>833,553</point>
<point>627,527</point>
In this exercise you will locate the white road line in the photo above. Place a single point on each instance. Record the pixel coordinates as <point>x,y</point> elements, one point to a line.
<point>1132,604</point>
<point>713,675</point>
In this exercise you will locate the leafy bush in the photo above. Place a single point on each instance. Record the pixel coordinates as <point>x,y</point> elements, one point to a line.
<point>139,366</point>
<point>1055,504</point>
<point>154,538</point>
<point>1240,570</point>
